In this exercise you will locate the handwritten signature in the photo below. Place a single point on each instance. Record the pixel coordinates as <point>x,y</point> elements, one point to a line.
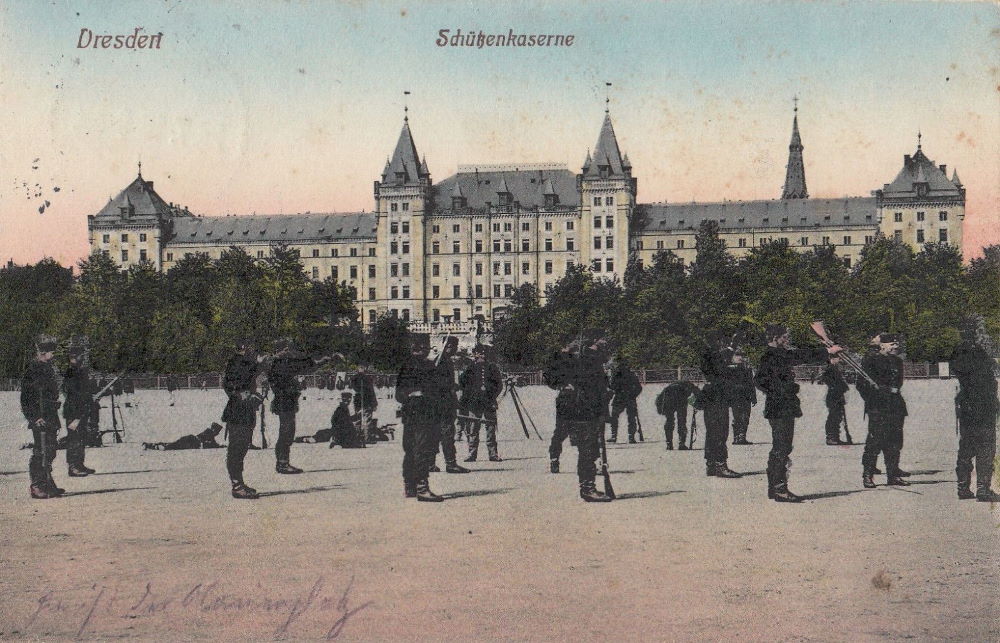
<point>102,602</point>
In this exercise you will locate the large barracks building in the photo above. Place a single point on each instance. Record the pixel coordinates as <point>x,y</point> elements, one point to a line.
<point>452,250</point>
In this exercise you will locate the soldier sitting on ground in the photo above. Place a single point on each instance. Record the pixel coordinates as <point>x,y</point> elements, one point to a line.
<point>204,440</point>
<point>345,431</point>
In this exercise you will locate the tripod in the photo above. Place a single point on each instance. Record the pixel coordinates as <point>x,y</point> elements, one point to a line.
<point>510,386</point>
<point>116,417</point>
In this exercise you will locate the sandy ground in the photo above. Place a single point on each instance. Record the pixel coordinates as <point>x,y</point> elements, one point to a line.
<point>154,548</point>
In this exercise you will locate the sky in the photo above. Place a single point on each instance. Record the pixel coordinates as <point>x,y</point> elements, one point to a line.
<point>282,107</point>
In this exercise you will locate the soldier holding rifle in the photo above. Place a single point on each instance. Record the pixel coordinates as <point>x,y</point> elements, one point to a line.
<point>886,410</point>
<point>40,406</point>
<point>240,415</point>
<point>78,388</point>
<point>481,383</point>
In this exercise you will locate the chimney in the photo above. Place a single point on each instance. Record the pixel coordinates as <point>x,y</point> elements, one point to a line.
<point>150,184</point>
<point>906,160</point>
<point>944,168</point>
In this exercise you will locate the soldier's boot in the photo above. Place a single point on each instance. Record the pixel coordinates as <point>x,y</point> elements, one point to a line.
<point>39,492</point>
<point>721,470</point>
<point>741,439</point>
<point>964,484</point>
<point>554,465</point>
<point>684,446</point>
<point>454,467</point>
<point>867,481</point>
<point>434,468</point>
<point>670,445</point>
<point>494,454</point>
<point>87,469</point>
<point>631,438</point>
<point>424,493</point>
<point>242,492</point>
<point>409,489</point>
<point>780,493</point>
<point>589,493</point>
<point>896,481</point>
<point>76,471</point>
<point>984,493</point>
<point>51,486</point>
<point>834,441</point>
<point>877,472</point>
<point>284,466</point>
<point>473,454</point>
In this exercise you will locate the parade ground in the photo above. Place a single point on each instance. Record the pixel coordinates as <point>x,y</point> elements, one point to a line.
<point>154,548</point>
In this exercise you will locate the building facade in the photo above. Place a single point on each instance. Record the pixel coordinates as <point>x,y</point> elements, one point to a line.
<point>450,251</point>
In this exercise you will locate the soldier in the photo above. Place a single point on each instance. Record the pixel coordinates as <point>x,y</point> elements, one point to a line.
<point>480,383</point>
<point>583,396</point>
<point>40,406</point>
<point>446,405</point>
<point>78,388</point>
<point>564,400</point>
<point>720,372</point>
<point>365,401</point>
<point>886,410</point>
<point>743,398</point>
<point>673,402</point>
<point>284,378</point>
<point>204,440</point>
<point>836,404</point>
<point>414,386</point>
<point>626,387</point>
<point>240,383</point>
<point>777,379</point>
<point>345,432</point>
<point>977,413</point>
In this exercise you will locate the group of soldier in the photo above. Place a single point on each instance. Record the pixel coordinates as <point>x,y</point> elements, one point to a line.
<point>592,390</point>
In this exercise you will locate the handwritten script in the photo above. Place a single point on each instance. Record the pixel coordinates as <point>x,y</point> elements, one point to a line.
<point>93,610</point>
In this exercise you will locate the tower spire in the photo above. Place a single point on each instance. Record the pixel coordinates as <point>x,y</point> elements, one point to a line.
<point>795,173</point>
<point>406,107</point>
<point>607,98</point>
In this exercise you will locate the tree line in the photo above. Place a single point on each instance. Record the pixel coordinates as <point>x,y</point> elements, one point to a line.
<point>186,320</point>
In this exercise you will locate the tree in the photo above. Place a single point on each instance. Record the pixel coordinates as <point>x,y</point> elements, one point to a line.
<point>389,343</point>
<point>518,336</point>
<point>30,297</point>
<point>714,299</point>
<point>653,328</point>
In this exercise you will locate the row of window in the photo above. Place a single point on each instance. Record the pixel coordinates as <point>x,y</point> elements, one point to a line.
<point>942,235</point>
<point>499,245</point>
<point>742,242</point>
<point>395,207</point>
<point>608,200</point>
<point>897,217</point>
<point>142,255</point>
<point>107,237</point>
<point>507,226</point>
<point>609,265</point>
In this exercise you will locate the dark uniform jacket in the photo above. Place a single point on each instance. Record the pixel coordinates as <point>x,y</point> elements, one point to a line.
<point>836,385</point>
<point>344,432</point>
<point>364,392</point>
<point>977,397</point>
<point>885,399</point>
<point>674,395</point>
<point>587,400</point>
<point>79,390</point>
<point>40,394</point>
<point>777,379</point>
<point>625,384</point>
<point>721,378</point>
<point>743,390</point>
<point>416,376</point>
<point>241,372</point>
<point>443,390</point>
<point>283,378</point>
<point>481,384</point>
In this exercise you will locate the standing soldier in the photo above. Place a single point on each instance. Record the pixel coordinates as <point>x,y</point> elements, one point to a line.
<point>719,369</point>
<point>673,402</point>
<point>283,376</point>
<point>744,397</point>
<point>584,389</point>
<point>414,388</point>
<point>240,415</point>
<point>777,379</point>
<point>78,388</point>
<point>886,410</point>
<point>40,406</point>
<point>365,401</point>
<point>481,383</point>
<point>446,405</point>
<point>836,404</point>
<point>626,387</point>
<point>554,375</point>
<point>977,413</point>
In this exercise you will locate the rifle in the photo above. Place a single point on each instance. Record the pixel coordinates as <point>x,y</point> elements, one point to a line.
<point>958,411</point>
<point>609,491</point>
<point>694,426</point>
<point>263,416</point>
<point>820,329</point>
<point>638,426</point>
<point>847,431</point>
<point>104,390</point>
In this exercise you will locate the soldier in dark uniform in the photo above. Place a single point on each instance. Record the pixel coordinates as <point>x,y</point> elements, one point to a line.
<point>445,399</point>
<point>977,413</point>
<point>283,376</point>
<point>626,387</point>
<point>777,379</point>
<point>414,390</point>
<point>886,410</point>
<point>346,432</point>
<point>583,396</point>
<point>40,406</point>
<point>204,440</point>
<point>743,397</point>
<point>240,383</point>
<point>564,400</point>
<point>480,383</point>
<point>673,403</point>
<point>79,389</point>
<point>365,401</point>
<point>836,404</point>
<point>716,397</point>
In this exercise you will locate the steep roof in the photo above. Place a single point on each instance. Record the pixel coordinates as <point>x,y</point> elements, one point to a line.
<point>138,201</point>
<point>606,153</point>
<point>778,213</point>
<point>527,188</point>
<point>404,167</point>
<point>795,171</point>
<point>276,228</point>
<point>920,169</point>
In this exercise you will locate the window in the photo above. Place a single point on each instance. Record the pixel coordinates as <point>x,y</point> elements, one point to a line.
<point>569,225</point>
<point>393,228</point>
<point>496,245</point>
<point>680,243</point>
<point>659,245</point>
<point>106,238</point>
<point>597,243</point>
<point>548,245</point>
<point>456,247</point>
<point>456,228</point>
<point>942,216</point>
<point>406,248</point>
<point>920,235</point>
<point>333,272</point>
<point>609,265</point>
<point>142,257</point>
<point>393,207</point>
<point>506,245</point>
<point>394,292</point>
<point>456,291</point>
<point>334,252</point>
<point>597,200</point>
<point>393,248</point>
<point>456,269</point>
<point>609,200</point>
<point>435,292</point>
<point>597,222</point>
<point>507,227</point>
<point>406,269</point>
<point>609,243</point>
<point>315,272</point>
<point>436,315</point>
<point>826,241</point>
<point>525,268</point>
<point>371,271</point>
<point>406,206</point>
<point>897,217</point>
<point>406,227</point>
<point>456,314</point>
<point>570,244</point>
<point>479,269</point>
<point>406,311</point>
<point>435,248</point>
<point>435,270</point>
<point>742,243</point>
<point>525,226</point>
<point>609,222</point>
<point>548,226</point>
<point>394,270</point>
<point>435,228</point>
<point>371,315</point>
<point>525,245</point>
<point>507,268</point>
<point>142,236</point>
<point>847,261</point>
<point>496,267</point>
<point>595,265</point>
<point>548,267</point>
<point>803,241</point>
<point>479,245</point>
<point>847,240</point>
<point>125,238</point>
<point>354,272</point>
<point>406,292</point>
<point>943,235</point>
<point>920,216</point>
<point>371,294</point>
<point>315,252</point>
<point>479,290</point>
<point>496,227</point>
<point>868,239</point>
<point>170,256</point>
<point>496,290</point>
<point>508,290</point>
<point>479,227</point>
<point>354,252</point>
<point>897,235</point>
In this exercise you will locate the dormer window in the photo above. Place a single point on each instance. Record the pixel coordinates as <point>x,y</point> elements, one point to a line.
<point>921,189</point>
<point>503,198</point>
<point>457,202</point>
<point>551,200</point>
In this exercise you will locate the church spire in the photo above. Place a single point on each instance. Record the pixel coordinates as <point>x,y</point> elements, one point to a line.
<point>795,173</point>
